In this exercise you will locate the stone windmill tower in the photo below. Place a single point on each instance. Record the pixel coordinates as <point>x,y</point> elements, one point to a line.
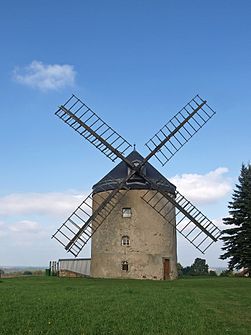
<point>133,213</point>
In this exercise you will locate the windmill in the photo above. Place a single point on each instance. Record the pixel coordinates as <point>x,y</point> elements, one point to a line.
<point>133,213</point>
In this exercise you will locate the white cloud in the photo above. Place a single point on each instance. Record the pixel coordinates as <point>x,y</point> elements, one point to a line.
<point>25,227</point>
<point>45,77</point>
<point>28,219</point>
<point>55,204</point>
<point>22,233</point>
<point>206,188</point>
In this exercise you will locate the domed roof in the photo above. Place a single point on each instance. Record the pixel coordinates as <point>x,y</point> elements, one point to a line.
<point>116,175</point>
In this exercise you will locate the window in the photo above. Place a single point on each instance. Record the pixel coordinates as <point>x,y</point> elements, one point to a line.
<point>125,240</point>
<point>124,266</point>
<point>126,212</point>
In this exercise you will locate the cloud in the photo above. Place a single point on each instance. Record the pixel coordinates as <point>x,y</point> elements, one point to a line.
<point>25,227</point>
<point>45,77</point>
<point>28,219</point>
<point>206,188</point>
<point>52,204</point>
<point>22,233</point>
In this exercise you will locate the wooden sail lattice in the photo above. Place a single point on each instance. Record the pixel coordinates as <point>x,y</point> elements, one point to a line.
<point>180,129</point>
<point>188,220</point>
<point>85,122</point>
<point>77,230</point>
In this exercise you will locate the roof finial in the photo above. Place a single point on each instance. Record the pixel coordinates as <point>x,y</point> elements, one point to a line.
<point>134,147</point>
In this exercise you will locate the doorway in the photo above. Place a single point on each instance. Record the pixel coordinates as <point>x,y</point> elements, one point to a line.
<point>166,268</point>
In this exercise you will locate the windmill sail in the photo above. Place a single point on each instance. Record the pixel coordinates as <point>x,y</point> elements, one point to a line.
<point>188,220</point>
<point>179,130</point>
<point>77,230</point>
<point>89,125</point>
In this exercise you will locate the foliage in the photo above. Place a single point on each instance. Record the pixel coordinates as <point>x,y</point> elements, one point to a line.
<point>186,271</point>
<point>212,273</point>
<point>179,270</point>
<point>1,272</point>
<point>198,268</point>
<point>58,306</point>
<point>38,273</point>
<point>27,273</point>
<point>237,238</point>
<point>227,273</point>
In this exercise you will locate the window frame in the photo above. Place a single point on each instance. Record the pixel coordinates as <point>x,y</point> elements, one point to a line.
<point>124,266</point>
<point>125,241</point>
<point>124,215</point>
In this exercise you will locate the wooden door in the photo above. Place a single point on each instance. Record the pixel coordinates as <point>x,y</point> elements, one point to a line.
<point>166,267</point>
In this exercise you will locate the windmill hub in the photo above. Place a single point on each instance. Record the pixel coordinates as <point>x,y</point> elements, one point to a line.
<point>133,212</point>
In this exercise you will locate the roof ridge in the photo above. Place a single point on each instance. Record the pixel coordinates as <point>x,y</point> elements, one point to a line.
<point>120,171</point>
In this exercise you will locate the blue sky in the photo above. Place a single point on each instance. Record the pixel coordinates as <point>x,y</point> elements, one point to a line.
<point>136,63</point>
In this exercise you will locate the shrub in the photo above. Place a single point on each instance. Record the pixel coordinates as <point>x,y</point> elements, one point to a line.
<point>226,273</point>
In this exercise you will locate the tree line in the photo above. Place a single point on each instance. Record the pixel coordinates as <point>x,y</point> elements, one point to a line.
<point>198,268</point>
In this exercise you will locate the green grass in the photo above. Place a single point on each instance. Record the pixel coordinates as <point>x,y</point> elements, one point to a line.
<point>51,305</point>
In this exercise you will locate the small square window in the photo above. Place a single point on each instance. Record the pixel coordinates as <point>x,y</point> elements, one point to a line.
<point>126,212</point>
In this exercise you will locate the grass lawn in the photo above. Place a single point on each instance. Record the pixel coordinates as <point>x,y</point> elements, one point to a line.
<point>51,305</point>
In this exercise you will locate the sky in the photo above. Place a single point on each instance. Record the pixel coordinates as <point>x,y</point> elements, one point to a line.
<point>136,64</point>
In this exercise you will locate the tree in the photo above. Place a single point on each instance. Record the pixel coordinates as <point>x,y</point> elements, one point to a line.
<point>1,272</point>
<point>237,238</point>
<point>226,273</point>
<point>212,273</point>
<point>186,271</point>
<point>179,270</point>
<point>199,267</point>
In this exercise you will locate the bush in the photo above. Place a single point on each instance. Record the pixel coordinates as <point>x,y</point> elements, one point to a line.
<point>179,270</point>
<point>227,273</point>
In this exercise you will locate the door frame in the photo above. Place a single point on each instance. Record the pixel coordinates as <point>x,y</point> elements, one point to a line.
<point>166,268</point>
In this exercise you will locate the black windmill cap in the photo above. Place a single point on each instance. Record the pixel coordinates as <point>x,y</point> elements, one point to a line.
<point>120,171</point>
